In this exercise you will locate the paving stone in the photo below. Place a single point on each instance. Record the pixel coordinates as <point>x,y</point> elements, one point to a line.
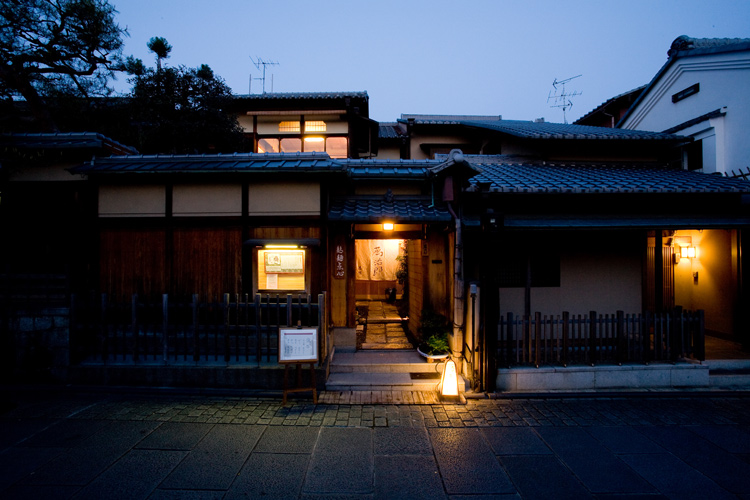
<point>216,460</point>
<point>543,477</point>
<point>597,467</point>
<point>515,441</point>
<point>342,464</point>
<point>467,463</point>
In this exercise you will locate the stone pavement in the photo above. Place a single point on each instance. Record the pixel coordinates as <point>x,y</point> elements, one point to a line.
<point>384,329</point>
<point>89,444</point>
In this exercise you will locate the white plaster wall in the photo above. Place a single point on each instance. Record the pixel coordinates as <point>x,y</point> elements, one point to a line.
<point>724,80</point>
<point>206,200</point>
<point>300,198</point>
<point>129,201</point>
<point>601,282</point>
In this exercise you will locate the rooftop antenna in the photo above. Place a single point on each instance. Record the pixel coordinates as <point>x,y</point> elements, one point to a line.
<point>258,62</point>
<point>561,98</point>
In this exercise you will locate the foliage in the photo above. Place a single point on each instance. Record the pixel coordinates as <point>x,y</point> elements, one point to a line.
<point>402,273</point>
<point>53,47</point>
<point>437,344</point>
<point>434,330</point>
<point>180,110</point>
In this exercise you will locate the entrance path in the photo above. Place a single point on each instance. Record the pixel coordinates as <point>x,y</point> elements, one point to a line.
<point>65,443</point>
<point>384,329</point>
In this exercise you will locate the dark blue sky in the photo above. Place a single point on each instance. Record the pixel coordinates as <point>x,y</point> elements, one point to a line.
<point>433,56</point>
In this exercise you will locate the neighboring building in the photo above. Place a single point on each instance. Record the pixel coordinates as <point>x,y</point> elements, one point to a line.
<point>609,113</point>
<point>427,136</point>
<point>701,92</point>
<point>336,123</point>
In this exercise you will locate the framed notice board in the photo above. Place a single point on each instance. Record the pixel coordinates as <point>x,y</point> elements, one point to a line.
<point>298,345</point>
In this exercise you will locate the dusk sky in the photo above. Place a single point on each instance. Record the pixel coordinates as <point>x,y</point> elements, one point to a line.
<point>432,57</point>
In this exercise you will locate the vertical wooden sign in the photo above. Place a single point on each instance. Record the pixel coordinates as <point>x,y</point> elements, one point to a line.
<point>339,262</point>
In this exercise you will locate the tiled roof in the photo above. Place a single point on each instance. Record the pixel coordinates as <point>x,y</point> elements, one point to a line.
<point>447,119</point>
<point>390,131</point>
<point>630,95</point>
<point>304,95</point>
<point>65,140</point>
<point>376,210</point>
<point>684,44</point>
<point>247,162</point>
<point>547,130</point>
<point>384,169</point>
<point>579,178</point>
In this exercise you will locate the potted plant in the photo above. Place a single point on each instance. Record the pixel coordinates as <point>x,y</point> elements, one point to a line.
<point>434,332</point>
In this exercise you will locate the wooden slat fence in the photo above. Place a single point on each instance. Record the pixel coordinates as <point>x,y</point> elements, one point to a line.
<point>595,338</point>
<point>237,328</point>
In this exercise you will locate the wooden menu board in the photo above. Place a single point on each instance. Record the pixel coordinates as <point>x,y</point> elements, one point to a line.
<point>298,345</point>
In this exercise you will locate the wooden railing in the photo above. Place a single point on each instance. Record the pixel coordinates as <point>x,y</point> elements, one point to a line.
<point>235,329</point>
<point>594,338</point>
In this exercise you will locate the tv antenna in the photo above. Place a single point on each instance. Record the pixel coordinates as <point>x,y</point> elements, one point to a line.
<point>561,98</point>
<point>258,62</point>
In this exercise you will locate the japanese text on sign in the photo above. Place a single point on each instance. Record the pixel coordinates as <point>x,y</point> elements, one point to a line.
<point>339,269</point>
<point>298,345</point>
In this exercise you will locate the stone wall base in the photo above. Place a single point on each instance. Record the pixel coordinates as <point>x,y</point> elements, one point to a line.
<point>580,378</point>
<point>192,376</point>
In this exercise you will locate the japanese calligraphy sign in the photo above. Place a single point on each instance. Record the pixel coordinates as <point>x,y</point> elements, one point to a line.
<point>339,263</point>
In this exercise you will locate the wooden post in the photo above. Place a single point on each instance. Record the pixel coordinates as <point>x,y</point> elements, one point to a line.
<point>592,338</point>
<point>196,336</point>
<point>165,326</point>
<point>537,334</point>
<point>134,325</point>
<point>565,336</point>
<point>225,326</point>
<point>621,344</point>
<point>259,348</point>
<point>104,330</point>
<point>700,341</point>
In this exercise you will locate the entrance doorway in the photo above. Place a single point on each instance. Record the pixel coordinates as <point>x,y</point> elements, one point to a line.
<point>379,263</point>
<point>380,290</point>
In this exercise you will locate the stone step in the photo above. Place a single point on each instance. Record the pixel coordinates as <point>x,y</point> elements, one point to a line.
<point>729,373</point>
<point>388,320</point>
<point>389,381</point>
<point>730,380</point>
<point>382,361</point>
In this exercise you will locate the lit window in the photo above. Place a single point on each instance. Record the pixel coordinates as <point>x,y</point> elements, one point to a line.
<point>337,147</point>
<point>281,269</point>
<point>315,144</point>
<point>315,126</point>
<point>268,146</point>
<point>289,127</point>
<point>291,145</point>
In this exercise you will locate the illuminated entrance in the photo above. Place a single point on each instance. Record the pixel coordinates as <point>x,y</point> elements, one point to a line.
<point>377,271</point>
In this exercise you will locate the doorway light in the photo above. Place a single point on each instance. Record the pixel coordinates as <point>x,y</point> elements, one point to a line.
<point>387,226</point>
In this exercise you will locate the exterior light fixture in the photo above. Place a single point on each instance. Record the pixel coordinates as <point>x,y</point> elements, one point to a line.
<point>449,381</point>
<point>688,252</point>
<point>281,246</point>
<point>388,226</point>
<point>684,249</point>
